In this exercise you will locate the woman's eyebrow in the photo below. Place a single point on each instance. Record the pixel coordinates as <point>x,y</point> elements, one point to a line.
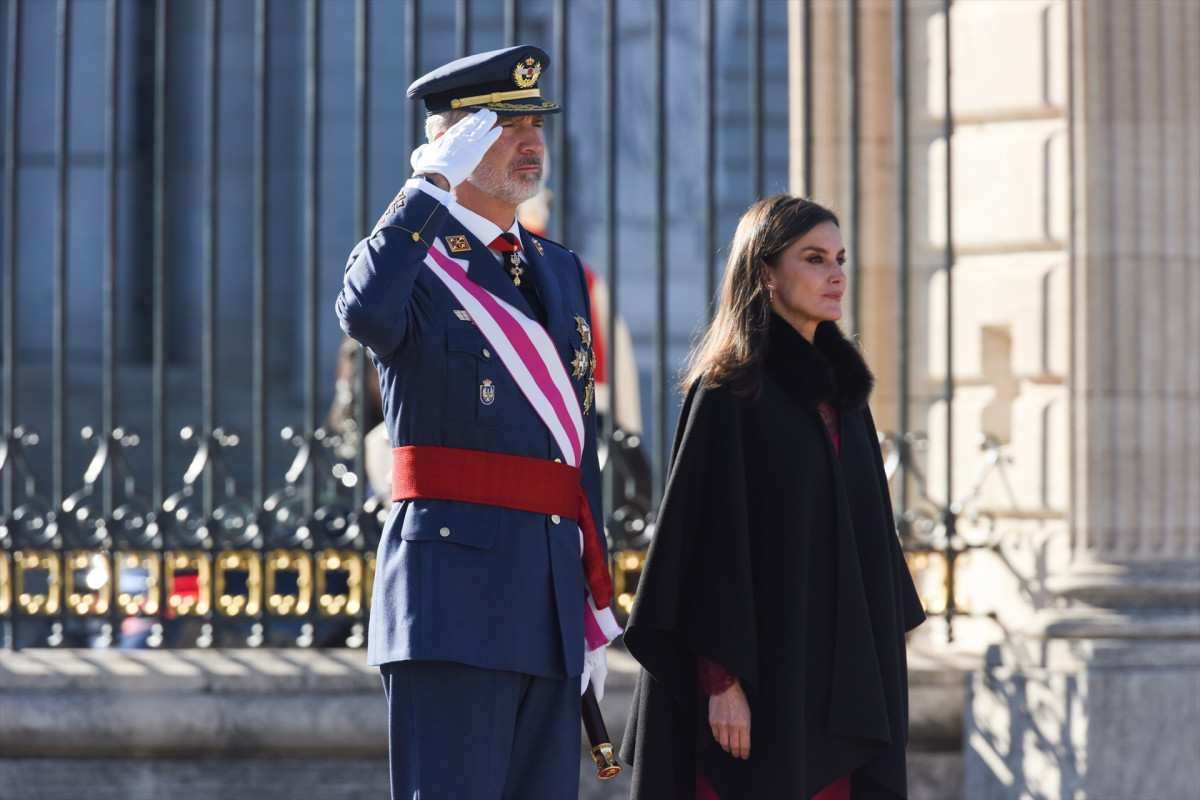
<point>817,249</point>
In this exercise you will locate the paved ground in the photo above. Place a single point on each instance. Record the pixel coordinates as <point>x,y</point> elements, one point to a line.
<point>296,724</point>
<point>197,724</point>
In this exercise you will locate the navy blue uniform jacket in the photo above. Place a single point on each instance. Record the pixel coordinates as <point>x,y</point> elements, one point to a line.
<point>480,585</point>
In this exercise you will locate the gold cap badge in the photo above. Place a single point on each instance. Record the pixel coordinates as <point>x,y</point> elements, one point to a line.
<point>527,72</point>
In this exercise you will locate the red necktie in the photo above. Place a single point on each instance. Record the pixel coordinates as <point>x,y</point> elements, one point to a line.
<point>510,247</point>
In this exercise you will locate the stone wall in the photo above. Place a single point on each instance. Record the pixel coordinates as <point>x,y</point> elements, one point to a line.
<point>291,725</point>
<point>1095,696</point>
<point>1062,296</point>
<point>999,320</point>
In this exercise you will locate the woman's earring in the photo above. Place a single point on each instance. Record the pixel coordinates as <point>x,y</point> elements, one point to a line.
<point>770,293</point>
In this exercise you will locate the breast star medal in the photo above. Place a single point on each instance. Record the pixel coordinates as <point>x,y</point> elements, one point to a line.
<point>583,366</point>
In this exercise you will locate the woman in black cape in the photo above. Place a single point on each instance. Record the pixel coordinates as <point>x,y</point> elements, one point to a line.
<point>771,613</point>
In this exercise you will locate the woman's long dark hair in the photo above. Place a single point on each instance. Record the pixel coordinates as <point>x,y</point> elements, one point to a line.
<point>735,341</point>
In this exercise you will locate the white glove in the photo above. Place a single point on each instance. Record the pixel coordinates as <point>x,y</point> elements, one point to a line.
<point>455,154</point>
<point>595,669</point>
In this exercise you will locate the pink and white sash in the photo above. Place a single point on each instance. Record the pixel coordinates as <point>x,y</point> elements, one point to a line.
<point>529,355</point>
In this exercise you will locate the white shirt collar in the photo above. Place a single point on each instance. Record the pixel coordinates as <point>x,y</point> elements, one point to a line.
<point>484,230</point>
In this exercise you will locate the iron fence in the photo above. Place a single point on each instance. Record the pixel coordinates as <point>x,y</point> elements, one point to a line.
<point>199,171</point>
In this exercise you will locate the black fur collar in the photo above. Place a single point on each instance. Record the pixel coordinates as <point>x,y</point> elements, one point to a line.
<point>830,368</point>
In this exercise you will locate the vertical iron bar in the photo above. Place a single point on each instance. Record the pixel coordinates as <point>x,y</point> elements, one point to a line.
<point>209,221</point>
<point>511,11</point>
<point>412,63</point>
<point>259,259</point>
<point>109,333</point>
<point>900,114</point>
<point>852,124</point>
<point>311,122</point>
<point>59,369</point>
<point>661,388</point>
<point>462,28</point>
<point>109,291</point>
<point>806,99</point>
<point>362,142</point>
<point>158,381</point>
<point>259,313</point>
<point>709,157</point>
<point>159,276</point>
<point>11,143</point>
<point>560,221</point>
<point>610,209</point>
<point>951,512</point>
<point>756,99</point>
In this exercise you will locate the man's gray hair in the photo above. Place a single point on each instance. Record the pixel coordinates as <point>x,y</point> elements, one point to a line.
<point>441,121</point>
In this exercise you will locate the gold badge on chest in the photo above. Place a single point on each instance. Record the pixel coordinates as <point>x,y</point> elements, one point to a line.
<point>458,244</point>
<point>583,366</point>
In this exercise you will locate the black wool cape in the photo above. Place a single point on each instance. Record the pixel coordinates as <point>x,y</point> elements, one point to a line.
<point>776,557</point>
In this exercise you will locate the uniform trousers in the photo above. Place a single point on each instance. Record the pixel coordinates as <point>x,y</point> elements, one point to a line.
<point>457,732</point>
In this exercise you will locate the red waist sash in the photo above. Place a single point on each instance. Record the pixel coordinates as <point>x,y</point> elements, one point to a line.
<point>516,482</point>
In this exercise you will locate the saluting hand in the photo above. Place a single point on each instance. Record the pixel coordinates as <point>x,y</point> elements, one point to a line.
<point>455,154</point>
<point>729,718</point>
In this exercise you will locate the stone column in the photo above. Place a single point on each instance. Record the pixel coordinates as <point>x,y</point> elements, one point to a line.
<point>1098,695</point>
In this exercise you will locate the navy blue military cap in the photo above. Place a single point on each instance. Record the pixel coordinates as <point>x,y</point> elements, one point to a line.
<point>506,81</point>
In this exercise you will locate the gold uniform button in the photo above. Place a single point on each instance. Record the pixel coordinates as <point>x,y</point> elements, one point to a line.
<point>558,461</point>
<point>444,532</point>
<point>555,518</point>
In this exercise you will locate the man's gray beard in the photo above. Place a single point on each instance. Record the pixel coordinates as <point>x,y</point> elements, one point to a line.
<point>501,186</point>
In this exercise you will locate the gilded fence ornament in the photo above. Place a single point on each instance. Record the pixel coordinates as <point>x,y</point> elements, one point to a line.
<point>239,590</point>
<point>140,567</point>
<point>87,582</point>
<point>189,583</point>
<point>37,581</point>
<point>343,567</point>
<point>5,586</point>
<point>296,568</point>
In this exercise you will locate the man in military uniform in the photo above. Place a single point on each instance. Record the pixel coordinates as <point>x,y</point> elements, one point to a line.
<point>491,594</point>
